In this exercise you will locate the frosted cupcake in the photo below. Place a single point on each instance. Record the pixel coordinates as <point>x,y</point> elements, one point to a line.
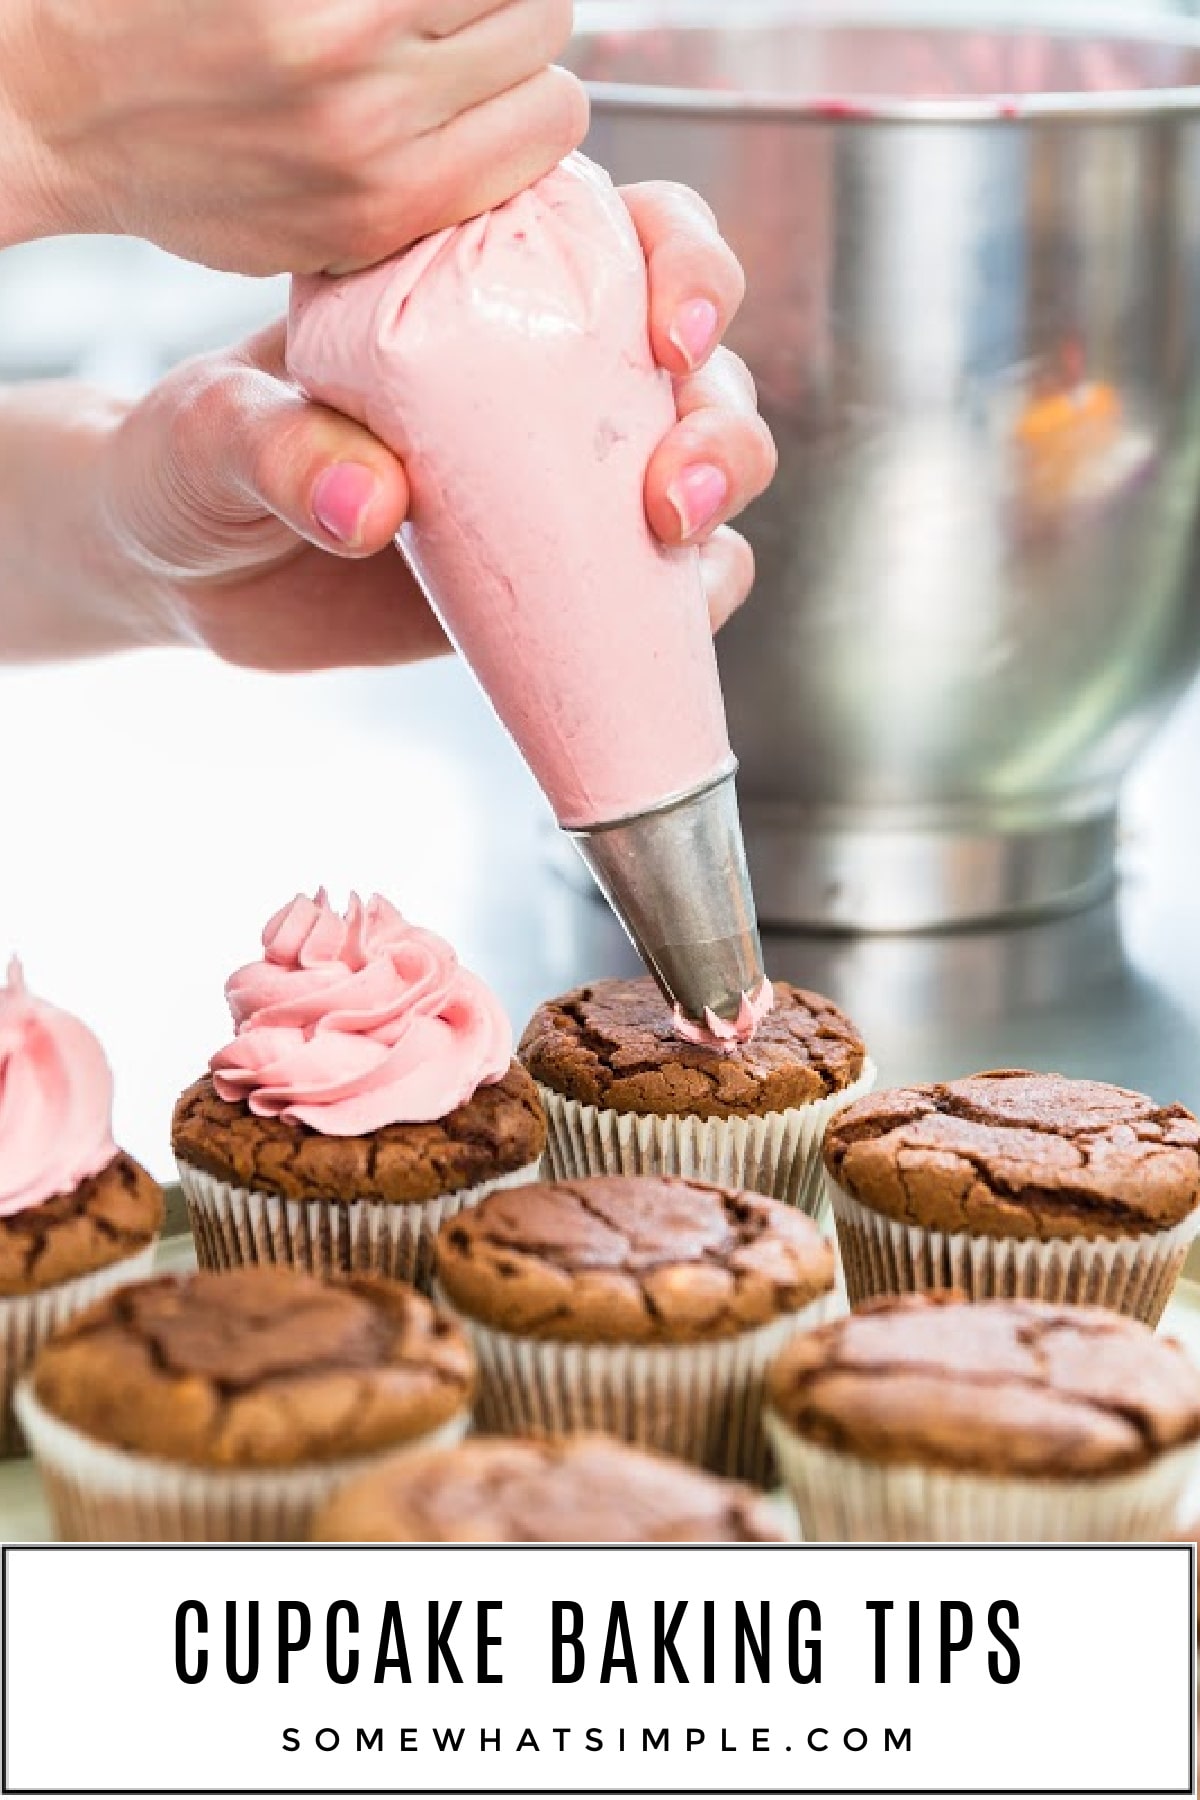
<point>630,1090</point>
<point>369,1094</point>
<point>1015,1184</point>
<point>926,1419</point>
<point>77,1215</point>
<point>230,1406</point>
<point>646,1308</point>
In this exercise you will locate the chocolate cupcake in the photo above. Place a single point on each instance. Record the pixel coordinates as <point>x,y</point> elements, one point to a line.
<point>369,1094</point>
<point>227,1406</point>
<point>648,1308</point>
<point>586,1489</point>
<point>1012,1184</point>
<point>77,1215</point>
<point>625,1093</point>
<point>928,1418</point>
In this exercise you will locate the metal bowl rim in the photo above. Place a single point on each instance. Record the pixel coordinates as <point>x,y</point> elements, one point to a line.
<point>855,113</point>
<point>858,110</point>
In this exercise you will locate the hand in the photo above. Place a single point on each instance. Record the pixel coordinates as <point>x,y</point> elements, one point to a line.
<point>227,491</point>
<point>274,135</point>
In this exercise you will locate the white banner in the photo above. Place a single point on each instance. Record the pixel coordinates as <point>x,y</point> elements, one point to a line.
<point>656,1669</point>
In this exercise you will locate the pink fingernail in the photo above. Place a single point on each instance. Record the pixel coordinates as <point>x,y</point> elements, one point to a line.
<point>695,331</point>
<point>698,496</point>
<point>341,499</point>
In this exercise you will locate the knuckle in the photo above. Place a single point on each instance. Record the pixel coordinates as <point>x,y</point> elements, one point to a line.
<point>199,409</point>
<point>568,109</point>
<point>310,41</point>
<point>557,23</point>
<point>686,200</point>
<point>736,278</point>
<point>767,453</point>
<point>736,371</point>
<point>746,569</point>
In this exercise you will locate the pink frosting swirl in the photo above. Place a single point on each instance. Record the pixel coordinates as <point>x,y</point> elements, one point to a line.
<point>353,1022</point>
<point>717,1034</point>
<point>55,1100</point>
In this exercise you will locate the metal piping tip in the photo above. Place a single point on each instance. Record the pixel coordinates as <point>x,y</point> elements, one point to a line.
<point>677,880</point>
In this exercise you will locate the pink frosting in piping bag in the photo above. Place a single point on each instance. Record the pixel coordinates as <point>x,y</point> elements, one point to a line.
<point>55,1100</point>
<point>352,1022</point>
<point>508,362</point>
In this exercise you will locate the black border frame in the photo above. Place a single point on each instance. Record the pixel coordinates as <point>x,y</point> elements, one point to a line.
<point>331,1793</point>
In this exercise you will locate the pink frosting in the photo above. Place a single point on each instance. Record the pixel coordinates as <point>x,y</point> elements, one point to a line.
<point>55,1100</point>
<point>509,363</point>
<point>353,1022</point>
<point>717,1033</point>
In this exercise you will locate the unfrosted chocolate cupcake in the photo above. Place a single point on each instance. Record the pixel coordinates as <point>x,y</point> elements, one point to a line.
<point>1016,1184</point>
<point>77,1215</point>
<point>227,1405</point>
<point>646,1307</point>
<point>368,1094</point>
<point>625,1093</point>
<point>929,1418</point>
<point>574,1490</point>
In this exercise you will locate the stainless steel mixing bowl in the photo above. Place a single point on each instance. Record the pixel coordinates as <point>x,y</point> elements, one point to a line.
<point>974,318</point>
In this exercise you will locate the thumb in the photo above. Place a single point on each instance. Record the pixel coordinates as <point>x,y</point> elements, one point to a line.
<point>322,474</point>
<point>225,463</point>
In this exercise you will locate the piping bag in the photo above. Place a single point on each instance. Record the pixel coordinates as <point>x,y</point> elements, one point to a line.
<point>507,361</point>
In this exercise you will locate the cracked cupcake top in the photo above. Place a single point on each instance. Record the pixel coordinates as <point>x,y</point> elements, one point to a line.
<point>576,1490</point>
<point>257,1368</point>
<point>998,1387</point>
<point>499,1130</point>
<point>108,1217</point>
<point>1012,1154</point>
<point>626,1260</point>
<point>614,1044</point>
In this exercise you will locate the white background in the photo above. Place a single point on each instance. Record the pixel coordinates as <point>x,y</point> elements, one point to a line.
<point>1103,1701</point>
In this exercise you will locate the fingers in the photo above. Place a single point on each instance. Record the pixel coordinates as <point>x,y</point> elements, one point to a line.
<point>727,570</point>
<point>473,163</point>
<point>696,282</point>
<point>442,18</point>
<point>506,47</point>
<point>718,458</point>
<point>320,473</point>
<point>224,461</point>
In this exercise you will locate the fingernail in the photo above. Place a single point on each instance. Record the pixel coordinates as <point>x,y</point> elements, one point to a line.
<point>695,331</point>
<point>341,499</point>
<point>698,496</point>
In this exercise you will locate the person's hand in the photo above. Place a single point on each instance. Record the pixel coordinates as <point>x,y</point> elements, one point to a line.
<point>278,135</point>
<point>227,490</point>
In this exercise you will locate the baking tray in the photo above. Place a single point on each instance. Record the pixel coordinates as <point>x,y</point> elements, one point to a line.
<point>23,1517</point>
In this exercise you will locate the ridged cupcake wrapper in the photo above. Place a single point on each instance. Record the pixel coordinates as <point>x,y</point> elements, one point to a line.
<point>234,1226</point>
<point>775,1153</point>
<point>27,1320</point>
<point>1133,1275</point>
<point>700,1402</point>
<point>843,1498</point>
<point>98,1494</point>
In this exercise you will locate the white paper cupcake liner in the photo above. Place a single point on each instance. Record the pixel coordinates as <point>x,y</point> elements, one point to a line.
<point>96,1493</point>
<point>234,1226</point>
<point>700,1402</point>
<point>1134,1275</point>
<point>27,1320</point>
<point>843,1498</point>
<point>775,1153</point>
